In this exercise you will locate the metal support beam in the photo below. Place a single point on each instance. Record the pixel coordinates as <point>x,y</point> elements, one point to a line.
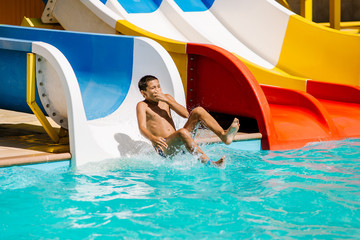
<point>306,9</point>
<point>335,13</point>
<point>30,98</point>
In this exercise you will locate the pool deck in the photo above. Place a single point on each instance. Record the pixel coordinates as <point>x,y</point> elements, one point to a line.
<point>23,140</point>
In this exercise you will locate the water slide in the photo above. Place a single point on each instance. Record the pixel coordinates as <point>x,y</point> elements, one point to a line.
<point>282,50</point>
<point>87,83</point>
<point>280,47</point>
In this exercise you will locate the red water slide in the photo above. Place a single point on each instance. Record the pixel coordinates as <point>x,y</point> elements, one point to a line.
<point>287,119</point>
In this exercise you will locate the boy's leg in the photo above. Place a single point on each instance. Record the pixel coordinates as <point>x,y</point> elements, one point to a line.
<point>200,114</point>
<point>183,137</point>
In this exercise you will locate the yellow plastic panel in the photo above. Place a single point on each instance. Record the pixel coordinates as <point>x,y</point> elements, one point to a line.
<point>275,77</point>
<point>36,22</point>
<point>320,53</point>
<point>181,64</point>
<point>126,28</point>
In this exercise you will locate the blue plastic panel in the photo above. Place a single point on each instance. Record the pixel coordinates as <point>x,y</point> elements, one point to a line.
<point>194,5</point>
<point>140,6</point>
<point>102,64</point>
<point>14,44</point>
<point>13,81</point>
<point>13,74</point>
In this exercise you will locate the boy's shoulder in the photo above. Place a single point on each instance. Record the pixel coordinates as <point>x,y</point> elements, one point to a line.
<point>142,104</point>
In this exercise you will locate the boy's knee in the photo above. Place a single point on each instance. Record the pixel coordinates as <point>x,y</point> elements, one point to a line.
<point>184,133</point>
<point>198,111</point>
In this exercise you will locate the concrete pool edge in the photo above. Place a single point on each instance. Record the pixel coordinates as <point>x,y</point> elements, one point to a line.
<point>31,159</point>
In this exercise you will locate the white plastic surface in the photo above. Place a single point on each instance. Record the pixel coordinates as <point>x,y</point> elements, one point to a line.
<point>74,15</point>
<point>253,29</point>
<point>155,22</point>
<point>83,148</point>
<point>117,134</point>
<point>258,24</point>
<point>49,84</point>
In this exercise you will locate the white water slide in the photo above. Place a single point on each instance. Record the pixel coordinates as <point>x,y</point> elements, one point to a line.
<point>87,83</point>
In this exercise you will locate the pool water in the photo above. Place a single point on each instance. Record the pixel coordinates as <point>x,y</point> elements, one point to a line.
<point>309,193</point>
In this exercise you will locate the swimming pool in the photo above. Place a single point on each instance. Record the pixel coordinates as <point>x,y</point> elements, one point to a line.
<point>310,193</point>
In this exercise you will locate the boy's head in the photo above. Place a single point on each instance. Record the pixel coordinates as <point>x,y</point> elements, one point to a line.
<point>143,83</point>
<point>149,87</point>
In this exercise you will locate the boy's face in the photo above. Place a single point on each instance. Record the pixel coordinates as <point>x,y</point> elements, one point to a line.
<point>152,90</point>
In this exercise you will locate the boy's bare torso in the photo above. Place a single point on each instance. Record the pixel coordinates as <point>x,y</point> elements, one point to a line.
<point>158,119</point>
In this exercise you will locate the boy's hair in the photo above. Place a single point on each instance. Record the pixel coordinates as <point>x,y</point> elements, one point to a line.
<point>144,80</point>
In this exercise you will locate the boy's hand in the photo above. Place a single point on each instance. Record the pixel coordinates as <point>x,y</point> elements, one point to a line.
<point>160,143</point>
<point>161,97</point>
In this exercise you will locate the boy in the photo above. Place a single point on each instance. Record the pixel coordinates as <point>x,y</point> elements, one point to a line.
<point>156,124</point>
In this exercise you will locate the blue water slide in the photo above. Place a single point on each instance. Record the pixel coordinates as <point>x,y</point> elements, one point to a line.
<point>148,6</point>
<point>92,62</point>
<point>86,83</point>
<point>194,6</point>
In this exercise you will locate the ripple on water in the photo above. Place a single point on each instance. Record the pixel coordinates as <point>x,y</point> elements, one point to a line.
<point>311,192</point>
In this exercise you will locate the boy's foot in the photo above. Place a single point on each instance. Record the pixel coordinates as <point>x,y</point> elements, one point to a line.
<point>220,162</point>
<point>231,132</point>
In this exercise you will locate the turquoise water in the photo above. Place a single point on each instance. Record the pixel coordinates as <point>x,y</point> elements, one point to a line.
<point>311,193</point>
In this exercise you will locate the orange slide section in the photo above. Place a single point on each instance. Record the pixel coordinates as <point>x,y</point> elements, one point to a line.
<point>298,119</point>
<point>342,102</point>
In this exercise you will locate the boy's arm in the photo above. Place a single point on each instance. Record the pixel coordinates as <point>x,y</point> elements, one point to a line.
<point>141,117</point>
<point>178,108</point>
